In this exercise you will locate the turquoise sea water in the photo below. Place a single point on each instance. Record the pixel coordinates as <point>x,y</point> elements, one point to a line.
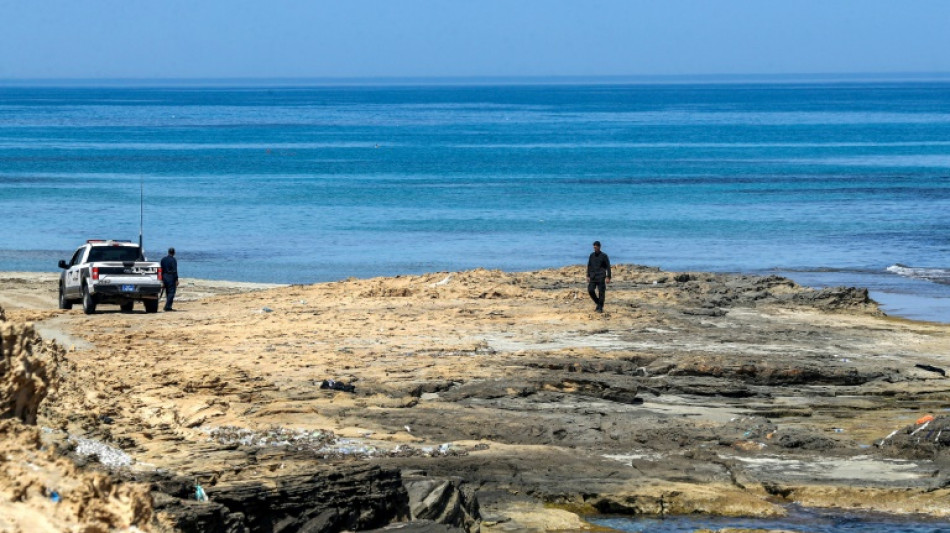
<point>827,183</point>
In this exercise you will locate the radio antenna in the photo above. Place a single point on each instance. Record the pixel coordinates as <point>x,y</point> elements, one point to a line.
<point>141,213</point>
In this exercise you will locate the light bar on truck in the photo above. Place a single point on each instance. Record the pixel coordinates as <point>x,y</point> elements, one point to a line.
<point>113,242</point>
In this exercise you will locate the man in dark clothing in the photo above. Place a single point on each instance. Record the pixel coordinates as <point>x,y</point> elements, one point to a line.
<point>170,277</point>
<point>598,276</point>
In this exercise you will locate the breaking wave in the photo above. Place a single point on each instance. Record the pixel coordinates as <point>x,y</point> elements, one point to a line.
<point>936,275</point>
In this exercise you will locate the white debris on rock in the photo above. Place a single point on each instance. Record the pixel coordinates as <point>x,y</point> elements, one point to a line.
<point>444,281</point>
<point>105,454</point>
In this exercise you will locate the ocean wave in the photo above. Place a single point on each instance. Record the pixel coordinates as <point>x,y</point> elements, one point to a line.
<point>824,270</point>
<point>918,160</point>
<point>936,275</point>
<point>631,144</point>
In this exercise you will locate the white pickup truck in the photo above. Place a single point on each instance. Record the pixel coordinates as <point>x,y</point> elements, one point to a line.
<point>112,272</point>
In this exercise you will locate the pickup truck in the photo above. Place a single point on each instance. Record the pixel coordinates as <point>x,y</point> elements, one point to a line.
<point>110,272</point>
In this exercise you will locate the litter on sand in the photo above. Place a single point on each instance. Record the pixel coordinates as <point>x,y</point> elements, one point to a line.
<point>337,385</point>
<point>931,368</point>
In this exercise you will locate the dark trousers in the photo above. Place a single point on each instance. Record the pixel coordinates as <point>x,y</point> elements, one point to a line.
<point>598,297</point>
<point>170,293</point>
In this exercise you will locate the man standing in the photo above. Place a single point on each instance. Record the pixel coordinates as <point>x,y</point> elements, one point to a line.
<point>598,276</point>
<point>170,277</point>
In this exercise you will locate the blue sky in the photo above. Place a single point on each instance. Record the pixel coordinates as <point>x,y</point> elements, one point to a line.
<point>452,38</point>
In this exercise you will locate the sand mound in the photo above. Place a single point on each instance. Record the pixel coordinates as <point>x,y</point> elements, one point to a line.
<point>26,365</point>
<point>39,490</point>
<point>474,284</point>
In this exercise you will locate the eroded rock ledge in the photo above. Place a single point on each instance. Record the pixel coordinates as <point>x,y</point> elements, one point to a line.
<point>487,400</point>
<point>39,490</point>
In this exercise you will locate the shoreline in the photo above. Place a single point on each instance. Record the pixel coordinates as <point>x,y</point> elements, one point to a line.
<point>497,400</point>
<point>904,297</point>
<point>914,308</point>
<point>894,302</point>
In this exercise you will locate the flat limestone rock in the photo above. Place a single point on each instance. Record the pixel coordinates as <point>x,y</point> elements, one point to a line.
<point>503,383</point>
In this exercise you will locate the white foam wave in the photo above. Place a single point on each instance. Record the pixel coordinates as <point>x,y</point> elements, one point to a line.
<point>936,275</point>
<point>923,160</point>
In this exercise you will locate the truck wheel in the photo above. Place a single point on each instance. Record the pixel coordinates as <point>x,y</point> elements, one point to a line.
<point>127,307</point>
<point>88,301</point>
<point>64,303</point>
<point>151,306</point>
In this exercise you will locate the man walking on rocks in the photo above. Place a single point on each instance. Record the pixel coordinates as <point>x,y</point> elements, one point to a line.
<point>170,278</point>
<point>598,276</point>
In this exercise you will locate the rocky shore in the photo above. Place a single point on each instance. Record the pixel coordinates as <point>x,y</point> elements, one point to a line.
<point>469,401</point>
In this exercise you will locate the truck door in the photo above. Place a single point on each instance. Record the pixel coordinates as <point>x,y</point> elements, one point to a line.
<point>73,286</point>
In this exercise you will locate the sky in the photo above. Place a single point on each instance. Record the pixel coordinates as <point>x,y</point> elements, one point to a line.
<point>214,39</point>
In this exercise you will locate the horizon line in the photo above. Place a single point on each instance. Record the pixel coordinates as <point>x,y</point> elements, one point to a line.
<point>645,79</point>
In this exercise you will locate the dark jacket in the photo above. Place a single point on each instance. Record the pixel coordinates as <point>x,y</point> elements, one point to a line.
<point>598,266</point>
<point>169,269</point>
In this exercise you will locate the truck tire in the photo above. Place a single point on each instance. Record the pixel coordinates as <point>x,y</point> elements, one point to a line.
<point>151,306</point>
<point>88,301</point>
<point>127,307</point>
<point>64,303</point>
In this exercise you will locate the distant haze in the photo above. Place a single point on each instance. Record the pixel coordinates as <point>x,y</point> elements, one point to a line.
<point>109,39</point>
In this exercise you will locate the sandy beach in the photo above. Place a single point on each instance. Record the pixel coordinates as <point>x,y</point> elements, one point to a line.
<point>480,400</point>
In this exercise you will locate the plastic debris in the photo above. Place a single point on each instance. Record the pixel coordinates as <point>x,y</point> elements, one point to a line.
<point>885,439</point>
<point>266,310</point>
<point>921,428</point>
<point>54,496</point>
<point>200,494</point>
<point>924,419</point>
<point>337,385</point>
<point>296,439</point>
<point>323,443</point>
<point>107,455</point>
<point>443,282</point>
<point>931,368</point>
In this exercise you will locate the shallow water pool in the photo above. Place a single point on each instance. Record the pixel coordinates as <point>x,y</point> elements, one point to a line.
<point>798,520</point>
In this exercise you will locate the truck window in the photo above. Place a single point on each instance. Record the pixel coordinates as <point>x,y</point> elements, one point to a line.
<point>113,253</point>
<point>76,256</point>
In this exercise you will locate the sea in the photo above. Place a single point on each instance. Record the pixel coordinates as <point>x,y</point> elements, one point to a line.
<point>828,183</point>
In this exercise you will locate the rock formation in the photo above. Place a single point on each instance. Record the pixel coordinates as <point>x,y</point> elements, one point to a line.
<point>39,489</point>
<point>490,401</point>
